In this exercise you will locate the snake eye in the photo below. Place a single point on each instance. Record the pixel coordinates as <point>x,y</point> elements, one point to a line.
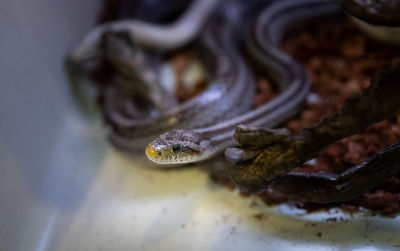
<point>176,148</point>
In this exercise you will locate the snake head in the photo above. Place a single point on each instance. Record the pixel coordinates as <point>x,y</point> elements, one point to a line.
<point>178,147</point>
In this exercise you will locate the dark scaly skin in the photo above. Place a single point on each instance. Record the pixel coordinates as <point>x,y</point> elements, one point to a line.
<point>378,12</point>
<point>276,159</point>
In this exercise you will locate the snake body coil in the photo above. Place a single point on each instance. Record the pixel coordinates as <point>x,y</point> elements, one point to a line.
<point>186,146</point>
<point>228,95</point>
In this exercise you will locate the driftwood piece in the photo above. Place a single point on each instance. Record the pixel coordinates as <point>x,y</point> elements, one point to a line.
<point>260,164</point>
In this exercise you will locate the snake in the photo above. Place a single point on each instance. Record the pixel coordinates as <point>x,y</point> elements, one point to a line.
<point>229,94</point>
<point>218,51</point>
<point>184,146</point>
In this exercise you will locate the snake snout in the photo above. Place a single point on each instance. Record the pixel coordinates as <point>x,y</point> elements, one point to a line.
<point>152,153</point>
<point>156,152</point>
